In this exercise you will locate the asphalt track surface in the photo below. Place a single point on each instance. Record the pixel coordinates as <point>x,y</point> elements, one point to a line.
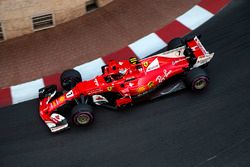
<point>183,129</point>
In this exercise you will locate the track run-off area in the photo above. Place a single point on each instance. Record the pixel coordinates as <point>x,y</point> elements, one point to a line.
<point>182,129</point>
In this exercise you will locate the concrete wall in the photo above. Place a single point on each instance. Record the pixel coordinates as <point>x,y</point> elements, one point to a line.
<point>16,15</point>
<point>102,3</point>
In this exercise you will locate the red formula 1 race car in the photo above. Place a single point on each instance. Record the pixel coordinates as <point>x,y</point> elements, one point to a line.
<point>124,83</point>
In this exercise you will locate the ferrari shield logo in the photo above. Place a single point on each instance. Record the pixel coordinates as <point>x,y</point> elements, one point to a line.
<point>145,64</point>
<point>109,88</point>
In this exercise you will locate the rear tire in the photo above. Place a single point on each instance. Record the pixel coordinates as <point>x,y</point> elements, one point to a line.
<point>197,79</point>
<point>175,43</point>
<point>69,79</point>
<point>82,115</point>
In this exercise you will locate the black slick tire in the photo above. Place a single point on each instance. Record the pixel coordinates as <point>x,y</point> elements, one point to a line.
<point>82,115</point>
<point>197,79</point>
<point>69,79</point>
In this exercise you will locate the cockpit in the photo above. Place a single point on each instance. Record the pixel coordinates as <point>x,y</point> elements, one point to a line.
<point>117,70</point>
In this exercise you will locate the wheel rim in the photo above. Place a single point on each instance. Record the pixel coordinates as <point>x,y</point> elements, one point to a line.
<point>200,83</point>
<point>82,119</point>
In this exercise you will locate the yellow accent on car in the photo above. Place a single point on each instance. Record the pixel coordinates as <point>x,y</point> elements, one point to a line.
<point>62,98</point>
<point>151,84</point>
<point>145,64</point>
<point>109,88</point>
<point>54,103</point>
<point>133,60</point>
<point>141,89</point>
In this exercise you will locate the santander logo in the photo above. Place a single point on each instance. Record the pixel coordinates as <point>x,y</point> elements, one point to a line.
<point>154,65</point>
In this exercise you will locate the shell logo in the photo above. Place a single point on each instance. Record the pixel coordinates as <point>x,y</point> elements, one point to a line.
<point>61,99</point>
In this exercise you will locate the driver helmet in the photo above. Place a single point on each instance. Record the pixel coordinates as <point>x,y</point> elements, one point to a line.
<point>113,67</point>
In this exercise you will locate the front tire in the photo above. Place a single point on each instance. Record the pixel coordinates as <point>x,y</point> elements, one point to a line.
<point>197,79</point>
<point>82,115</point>
<point>69,79</point>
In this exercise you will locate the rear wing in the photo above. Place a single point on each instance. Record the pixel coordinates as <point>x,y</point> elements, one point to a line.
<point>197,47</point>
<point>202,55</point>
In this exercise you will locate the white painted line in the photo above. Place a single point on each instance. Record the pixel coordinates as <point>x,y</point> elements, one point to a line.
<point>147,45</point>
<point>26,91</point>
<point>91,69</point>
<point>195,17</point>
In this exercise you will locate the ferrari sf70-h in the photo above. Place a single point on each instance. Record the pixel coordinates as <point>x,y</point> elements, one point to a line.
<point>125,82</point>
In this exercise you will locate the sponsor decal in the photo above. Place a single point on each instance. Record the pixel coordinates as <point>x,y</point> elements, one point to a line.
<point>160,78</point>
<point>96,82</point>
<point>54,104</point>
<point>200,45</point>
<point>133,60</point>
<point>154,65</point>
<point>177,61</point>
<point>202,60</point>
<point>151,84</point>
<point>94,91</point>
<point>131,84</point>
<point>61,99</point>
<point>194,48</point>
<point>57,117</point>
<point>166,73</point>
<point>178,53</point>
<point>145,64</point>
<point>109,88</point>
<point>141,89</point>
<point>50,124</point>
<point>70,94</point>
<point>99,99</point>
